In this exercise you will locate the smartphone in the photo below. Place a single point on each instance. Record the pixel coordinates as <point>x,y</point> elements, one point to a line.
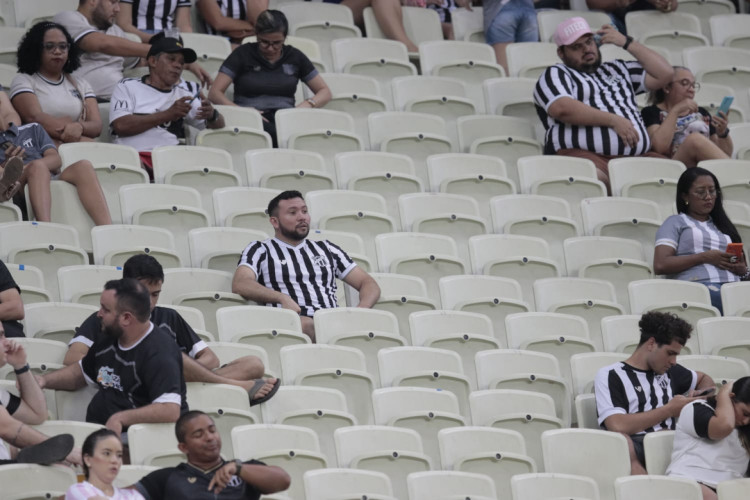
<point>736,250</point>
<point>726,103</point>
<point>197,93</point>
<point>706,392</point>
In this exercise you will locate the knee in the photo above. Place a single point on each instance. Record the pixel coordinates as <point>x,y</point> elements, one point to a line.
<point>81,168</point>
<point>252,366</point>
<point>695,140</point>
<point>37,171</point>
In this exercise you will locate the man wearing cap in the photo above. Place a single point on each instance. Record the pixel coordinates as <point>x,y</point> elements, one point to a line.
<point>588,107</point>
<point>151,111</point>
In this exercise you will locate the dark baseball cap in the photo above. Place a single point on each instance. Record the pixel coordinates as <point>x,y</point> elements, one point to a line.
<point>171,46</point>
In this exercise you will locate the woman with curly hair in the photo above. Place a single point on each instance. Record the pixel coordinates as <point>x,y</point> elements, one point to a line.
<point>54,108</point>
<point>44,91</point>
<point>712,438</point>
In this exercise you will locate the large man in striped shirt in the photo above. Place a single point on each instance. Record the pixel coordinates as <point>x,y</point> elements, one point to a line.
<point>647,391</point>
<point>588,107</point>
<point>296,273</point>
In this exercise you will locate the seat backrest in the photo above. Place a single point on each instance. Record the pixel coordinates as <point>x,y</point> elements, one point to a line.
<point>321,484</point>
<point>486,248</point>
<point>324,203</point>
<point>231,200</point>
<point>547,485</point>
<point>395,362</point>
<point>407,89</point>
<point>298,13</point>
<point>293,121</point>
<point>255,440</point>
<point>333,322</point>
<point>646,293</point>
<point>655,487</point>
<point>235,320</point>
<point>352,165</point>
<point>735,298</point>
<point>549,291</point>
<point>393,402</point>
<point>488,405</point>
<point>291,399</point>
<point>297,360</point>
<point>466,288</point>
<point>118,236</point>
<point>701,59</point>
<point>624,171</point>
<point>529,326</point>
<point>349,50</point>
<point>549,20</point>
<point>178,281</point>
<point>239,116</point>
<point>725,26</point>
<point>585,250</point>
<point>439,52</point>
<point>619,330</point>
<point>204,241</point>
<point>135,197</point>
<point>501,363</point>
<point>500,91</point>
<point>510,207</point>
<point>356,441</point>
<point>537,55</point>
<point>77,279</point>
<point>428,485</point>
<point>346,84</point>
<point>468,25</point>
<point>601,210</point>
<point>17,235</point>
<point>99,154</point>
<point>583,368</point>
<point>459,442</point>
<point>532,169</point>
<point>642,23</point>
<point>392,246</point>
<point>474,127</point>
<point>427,324</point>
<point>728,171</point>
<point>170,159</point>
<point>417,206</point>
<point>386,124</point>
<point>262,162</point>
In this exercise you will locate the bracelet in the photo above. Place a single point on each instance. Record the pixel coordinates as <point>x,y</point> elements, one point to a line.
<point>725,134</point>
<point>22,370</point>
<point>628,41</point>
<point>312,102</point>
<point>214,116</point>
<point>238,465</point>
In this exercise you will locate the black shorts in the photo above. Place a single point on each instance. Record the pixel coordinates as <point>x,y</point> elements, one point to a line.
<point>638,447</point>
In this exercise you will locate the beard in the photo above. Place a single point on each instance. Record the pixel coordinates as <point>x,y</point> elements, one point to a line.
<point>112,331</point>
<point>100,21</point>
<point>588,68</point>
<point>296,234</point>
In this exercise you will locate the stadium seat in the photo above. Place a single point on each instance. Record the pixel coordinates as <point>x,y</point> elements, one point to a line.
<point>723,65</point>
<point>493,296</point>
<point>43,356</point>
<point>72,405</point>
<point>735,298</point>
<point>243,207</point>
<point>31,282</point>
<point>394,451</point>
<point>154,444</point>
<point>529,413</point>
<point>131,474</point>
<point>588,298</point>
<point>211,50</point>
<point>84,284</point>
<point>229,351</point>
<point>55,320</point>
<point>421,25</point>
<point>335,367</point>
<point>426,411</point>
<point>31,481</point>
<point>463,332</point>
<point>320,409</point>
<point>355,248</point>
<point>617,260</point>
<point>730,30</point>
<point>734,178</point>
<point>561,335</point>
<point>425,367</point>
<point>583,368</point>
<point>672,31</point>
<point>387,174</point>
<point>585,411</point>
<point>287,169</point>
<point>220,248</point>
<point>468,25</point>
<point>691,301</point>
<point>368,330</point>
<point>628,218</point>
<point>357,95</point>
<point>545,217</point>
<point>79,430</point>
<point>427,256</point>
<point>504,137</point>
<point>9,212</point>
<point>403,294</point>
<point>741,133</point>
<point>720,368</point>
<point>657,448</point>
<point>525,370</point>
<point>622,334</point>
<point>268,327</point>
<point>194,318</point>
<point>205,289</point>
<point>530,59</point>
<point>115,165</point>
<point>652,179</point>
<point>549,19</point>
<point>235,140</point>
<point>734,490</point>
<point>724,337</point>
<point>705,9</point>
<point>358,212</point>
<point>417,135</point>
<point>294,449</point>
<point>497,453</point>
<point>178,209</point>
<point>711,96</point>
<point>347,483</point>
<point>450,484</point>
<point>319,130</point>
<point>513,97</point>
<point>600,455</point>
<point>546,485</point>
<point>10,36</point>
<point>655,487</point>
<point>114,244</point>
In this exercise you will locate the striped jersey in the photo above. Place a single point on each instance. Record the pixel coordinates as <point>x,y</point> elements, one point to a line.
<point>306,272</point>
<point>154,16</point>
<point>623,389</point>
<point>233,9</point>
<point>611,88</point>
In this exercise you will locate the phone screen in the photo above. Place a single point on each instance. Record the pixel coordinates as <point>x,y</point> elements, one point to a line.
<point>726,103</point>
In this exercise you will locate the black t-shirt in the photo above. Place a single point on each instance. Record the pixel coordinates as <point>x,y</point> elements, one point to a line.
<point>168,319</point>
<point>264,85</point>
<point>186,481</point>
<point>12,327</point>
<point>148,372</point>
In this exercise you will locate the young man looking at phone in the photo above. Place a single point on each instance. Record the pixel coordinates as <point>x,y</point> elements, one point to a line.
<point>647,391</point>
<point>150,112</point>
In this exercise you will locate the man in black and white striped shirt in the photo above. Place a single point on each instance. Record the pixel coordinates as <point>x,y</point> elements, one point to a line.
<point>297,273</point>
<point>647,391</point>
<point>588,107</point>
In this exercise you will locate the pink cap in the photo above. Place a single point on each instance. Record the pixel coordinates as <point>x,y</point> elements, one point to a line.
<point>571,30</point>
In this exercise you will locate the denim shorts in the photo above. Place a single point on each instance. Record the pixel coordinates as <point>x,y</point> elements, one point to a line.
<point>516,22</point>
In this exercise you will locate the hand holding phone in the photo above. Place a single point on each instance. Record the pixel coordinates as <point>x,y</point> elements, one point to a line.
<point>726,103</point>
<point>705,392</point>
<point>736,250</point>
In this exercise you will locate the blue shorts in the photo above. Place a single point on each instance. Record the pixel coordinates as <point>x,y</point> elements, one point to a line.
<point>516,22</point>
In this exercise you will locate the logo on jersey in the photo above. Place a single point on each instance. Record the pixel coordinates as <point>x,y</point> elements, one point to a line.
<point>611,80</point>
<point>121,105</point>
<point>235,481</point>
<point>319,261</point>
<point>107,378</point>
<point>75,93</point>
<point>192,480</point>
<point>639,388</point>
<point>28,143</point>
<point>289,69</point>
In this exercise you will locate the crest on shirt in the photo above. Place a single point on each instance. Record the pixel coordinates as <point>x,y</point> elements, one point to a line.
<point>75,93</point>
<point>638,388</point>
<point>611,79</point>
<point>319,261</point>
<point>28,143</point>
<point>192,479</point>
<point>107,378</point>
<point>235,481</point>
<point>288,69</point>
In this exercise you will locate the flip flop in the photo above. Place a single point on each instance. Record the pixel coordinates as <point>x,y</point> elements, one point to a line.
<point>50,451</point>
<point>256,387</point>
<point>9,181</point>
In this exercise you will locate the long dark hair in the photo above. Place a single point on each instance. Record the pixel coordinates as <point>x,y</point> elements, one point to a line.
<point>89,445</point>
<point>741,390</point>
<point>718,215</point>
<point>29,56</point>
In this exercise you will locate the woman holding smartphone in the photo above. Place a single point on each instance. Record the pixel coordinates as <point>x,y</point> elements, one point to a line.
<point>692,244</point>
<point>682,130</point>
<point>712,438</point>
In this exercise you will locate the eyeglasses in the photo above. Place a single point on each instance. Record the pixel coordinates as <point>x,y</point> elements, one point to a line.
<point>704,194</point>
<point>270,43</point>
<point>51,46</point>
<point>687,83</point>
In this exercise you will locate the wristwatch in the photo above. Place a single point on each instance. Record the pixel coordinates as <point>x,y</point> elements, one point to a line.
<point>725,134</point>
<point>238,464</point>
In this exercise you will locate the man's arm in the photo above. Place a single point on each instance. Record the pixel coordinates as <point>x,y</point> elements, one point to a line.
<point>11,305</point>
<point>128,125</point>
<point>112,45</point>
<point>182,19</point>
<point>633,423</point>
<point>265,478</point>
<point>69,378</point>
<point>369,291</point>
<point>152,413</point>
<point>246,284</point>
<point>211,13</point>
<point>76,352</point>
<point>658,71</point>
<point>125,21</point>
